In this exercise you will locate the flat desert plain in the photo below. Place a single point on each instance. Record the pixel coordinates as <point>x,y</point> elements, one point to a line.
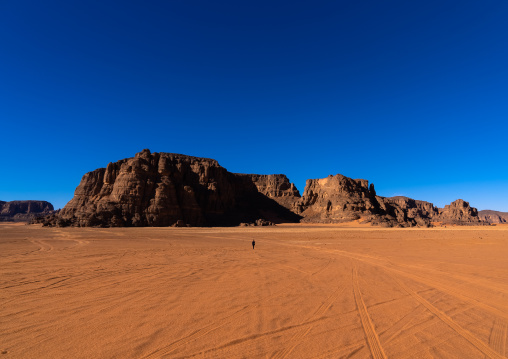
<point>303,292</point>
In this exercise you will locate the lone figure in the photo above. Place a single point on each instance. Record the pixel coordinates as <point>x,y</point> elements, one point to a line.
<point>253,243</point>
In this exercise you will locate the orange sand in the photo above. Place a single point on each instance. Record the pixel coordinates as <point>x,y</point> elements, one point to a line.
<point>304,292</point>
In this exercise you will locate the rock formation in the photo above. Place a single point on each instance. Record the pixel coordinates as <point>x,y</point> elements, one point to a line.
<point>458,212</point>
<point>493,216</point>
<point>166,189</point>
<point>275,187</point>
<point>336,199</point>
<point>19,211</point>
<point>407,211</point>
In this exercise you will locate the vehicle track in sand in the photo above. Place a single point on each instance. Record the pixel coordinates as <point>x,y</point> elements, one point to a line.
<point>43,246</point>
<point>304,325</point>
<point>499,335</point>
<point>477,343</point>
<point>412,324</point>
<point>473,296</point>
<point>476,298</point>
<point>170,348</point>
<point>368,327</point>
<point>302,329</point>
<point>497,338</point>
<point>298,336</point>
<point>499,344</point>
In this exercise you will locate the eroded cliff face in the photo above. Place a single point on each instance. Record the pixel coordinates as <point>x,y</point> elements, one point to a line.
<point>151,190</point>
<point>24,210</point>
<point>275,187</point>
<point>336,199</point>
<point>493,216</point>
<point>407,211</point>
<point>458,212</point>
<point>164,189</point>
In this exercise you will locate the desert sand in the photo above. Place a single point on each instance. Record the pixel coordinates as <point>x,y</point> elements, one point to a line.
<point>305,291</point>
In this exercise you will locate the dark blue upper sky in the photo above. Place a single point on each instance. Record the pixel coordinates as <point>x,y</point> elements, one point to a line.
<point>411,95</point>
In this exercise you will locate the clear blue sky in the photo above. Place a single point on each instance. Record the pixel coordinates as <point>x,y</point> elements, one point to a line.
<point>411,95</point>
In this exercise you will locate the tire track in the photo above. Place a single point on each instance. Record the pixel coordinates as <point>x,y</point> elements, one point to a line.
<point>497,338</point>
<point>43,247</point>
<point>477,343</point>
<point>480,282</point>
<point>477,301</point>
<point>324,267</point>
<point>67,237</point>
<point>67,281</point>
<point>413,325</point>
<point>194,335</point>
<point>249,338</point>
<point>298,337</point>
<point>168,349</point>
<point>306,326</point>
<point>453,291</point>
<point>372,338</point>
<point>342,351</point>
<point>404,324</point>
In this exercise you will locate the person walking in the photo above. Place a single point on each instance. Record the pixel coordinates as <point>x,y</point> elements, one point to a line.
<point>253,243</point>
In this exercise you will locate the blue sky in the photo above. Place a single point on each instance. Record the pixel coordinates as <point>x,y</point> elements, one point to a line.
<point>411,95</point>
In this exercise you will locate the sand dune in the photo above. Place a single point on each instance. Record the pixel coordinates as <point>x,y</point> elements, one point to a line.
<point>312,291</point>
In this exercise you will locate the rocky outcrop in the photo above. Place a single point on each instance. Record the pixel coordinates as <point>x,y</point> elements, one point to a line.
<point>409,211</point>
<point>260,222</point>
<point>336,199</point>
<point>166,189</point>
<point>20,211</point>
<point>493,216</point>
<point>275,187</point>
<point>151,190</point>
<point>458,212</point>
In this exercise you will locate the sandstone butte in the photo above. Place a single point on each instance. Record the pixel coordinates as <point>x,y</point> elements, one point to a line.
<point>17,211</point>
<point>493,216</point>
<point>167,189</point>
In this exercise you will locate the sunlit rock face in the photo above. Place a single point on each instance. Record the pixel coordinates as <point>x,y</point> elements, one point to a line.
<point>337,199</point>
<point>23,210</point>
<point>493,216</point>
<point>458,212</point>
<point>165,189</point>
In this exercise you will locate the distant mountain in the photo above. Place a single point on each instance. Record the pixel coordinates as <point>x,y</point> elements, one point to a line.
<point>493,216</point>
<point>19,211</point>
<point>167,189</point>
